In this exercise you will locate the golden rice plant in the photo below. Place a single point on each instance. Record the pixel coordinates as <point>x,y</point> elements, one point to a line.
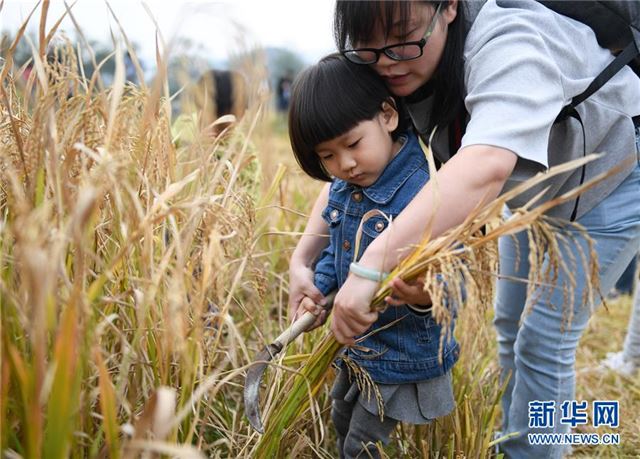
<point>126,259</point>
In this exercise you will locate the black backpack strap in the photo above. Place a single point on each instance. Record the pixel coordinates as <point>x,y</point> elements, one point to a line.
<point>570,112</point>
<point>627,55</point>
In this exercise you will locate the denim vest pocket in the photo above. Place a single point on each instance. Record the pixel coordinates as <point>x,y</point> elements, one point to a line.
<point>374,226</point>
<point>385,335</point>
<point>333,214</point>
<point>371,229</point>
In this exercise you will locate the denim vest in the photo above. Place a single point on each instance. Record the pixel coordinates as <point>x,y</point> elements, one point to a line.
<point>407,351</point>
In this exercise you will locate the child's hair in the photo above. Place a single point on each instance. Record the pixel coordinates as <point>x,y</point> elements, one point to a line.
<point>327,100</point>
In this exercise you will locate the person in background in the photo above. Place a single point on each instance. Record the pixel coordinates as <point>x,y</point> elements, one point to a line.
<point>627,361</point>
<point>218,93</point>
<point>283,91</point>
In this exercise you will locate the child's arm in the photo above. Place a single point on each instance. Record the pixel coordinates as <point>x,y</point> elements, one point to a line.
<point>311,244</point>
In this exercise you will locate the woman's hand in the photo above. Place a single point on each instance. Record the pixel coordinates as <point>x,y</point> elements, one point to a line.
<point>408,293</point>
<point>352,314</point>
<point>301,286</point>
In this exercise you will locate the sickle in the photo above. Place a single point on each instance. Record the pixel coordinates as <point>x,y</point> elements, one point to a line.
<point>260,363</point>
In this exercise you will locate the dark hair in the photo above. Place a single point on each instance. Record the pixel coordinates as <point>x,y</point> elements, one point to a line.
<point>224,92</point>
<point>327,100</point>
<point>355,21</point>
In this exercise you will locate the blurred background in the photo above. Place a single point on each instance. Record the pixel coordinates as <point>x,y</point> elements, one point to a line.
<point>282,36</point>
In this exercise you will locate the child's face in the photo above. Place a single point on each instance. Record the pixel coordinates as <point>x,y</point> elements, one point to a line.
<point>360,155</point>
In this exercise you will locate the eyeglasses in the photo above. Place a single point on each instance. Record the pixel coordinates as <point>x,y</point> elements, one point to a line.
<point>399,52</point>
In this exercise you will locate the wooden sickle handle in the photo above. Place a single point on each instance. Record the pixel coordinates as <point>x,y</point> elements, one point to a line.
<point>302,323</point>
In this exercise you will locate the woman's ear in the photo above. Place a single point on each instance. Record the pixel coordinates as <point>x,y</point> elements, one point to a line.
<point>450,12</point>
<point>389,114</point>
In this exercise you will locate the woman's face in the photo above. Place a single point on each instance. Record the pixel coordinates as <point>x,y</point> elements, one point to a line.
<point>404,77</point>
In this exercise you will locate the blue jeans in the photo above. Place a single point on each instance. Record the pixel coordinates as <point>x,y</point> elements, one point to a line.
<point>627,281</point>
<point>538,348</point>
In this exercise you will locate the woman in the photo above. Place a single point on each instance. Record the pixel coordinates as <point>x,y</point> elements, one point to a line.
<point>505,69</point>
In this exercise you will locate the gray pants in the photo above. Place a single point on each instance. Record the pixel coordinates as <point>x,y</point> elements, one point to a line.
<point>358,430</point>
<point>631,350</point>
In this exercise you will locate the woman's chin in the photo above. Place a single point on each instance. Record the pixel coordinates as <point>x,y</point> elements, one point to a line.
<point>403,90</point>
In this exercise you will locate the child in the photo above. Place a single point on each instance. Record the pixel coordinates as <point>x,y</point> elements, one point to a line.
<point>345,128</point>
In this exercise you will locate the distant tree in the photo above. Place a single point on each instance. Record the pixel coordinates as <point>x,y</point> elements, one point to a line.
<point>283,62</point>
<point>105,52</point>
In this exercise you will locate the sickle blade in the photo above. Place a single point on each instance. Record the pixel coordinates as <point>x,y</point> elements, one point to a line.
<point>252,385</point>
<point>257,369</point>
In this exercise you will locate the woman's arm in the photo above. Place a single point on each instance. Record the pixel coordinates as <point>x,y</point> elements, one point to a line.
<point>475,174</point>
<point>309,247</point>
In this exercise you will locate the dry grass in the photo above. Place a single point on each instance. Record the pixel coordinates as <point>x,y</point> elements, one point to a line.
<point>139,275</point>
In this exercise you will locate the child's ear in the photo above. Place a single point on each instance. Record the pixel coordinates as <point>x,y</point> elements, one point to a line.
<point>390,116</point>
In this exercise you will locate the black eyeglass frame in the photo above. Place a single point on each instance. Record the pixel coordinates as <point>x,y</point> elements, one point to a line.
<point>378,51</point>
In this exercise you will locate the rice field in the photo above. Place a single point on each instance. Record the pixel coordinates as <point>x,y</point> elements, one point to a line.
<point>141,270</point>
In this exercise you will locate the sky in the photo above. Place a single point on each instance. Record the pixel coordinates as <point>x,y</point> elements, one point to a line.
<point>220,28</point>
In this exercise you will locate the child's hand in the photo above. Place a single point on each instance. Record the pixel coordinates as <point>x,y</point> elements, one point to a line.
<point>307,304</point>
<point>301,286</point>
<point>408,293</point>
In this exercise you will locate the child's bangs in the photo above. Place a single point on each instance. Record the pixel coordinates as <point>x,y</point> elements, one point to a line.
<point>335,110</point>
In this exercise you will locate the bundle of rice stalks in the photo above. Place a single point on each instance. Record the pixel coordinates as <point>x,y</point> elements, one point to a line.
<point>122,258</point>
<point>460,264</point>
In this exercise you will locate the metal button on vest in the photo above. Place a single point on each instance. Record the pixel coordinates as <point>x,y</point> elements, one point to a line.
<point>346,245</point>
<point>333,214</point>
<point>357,197</point>
<point>379,226</point>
